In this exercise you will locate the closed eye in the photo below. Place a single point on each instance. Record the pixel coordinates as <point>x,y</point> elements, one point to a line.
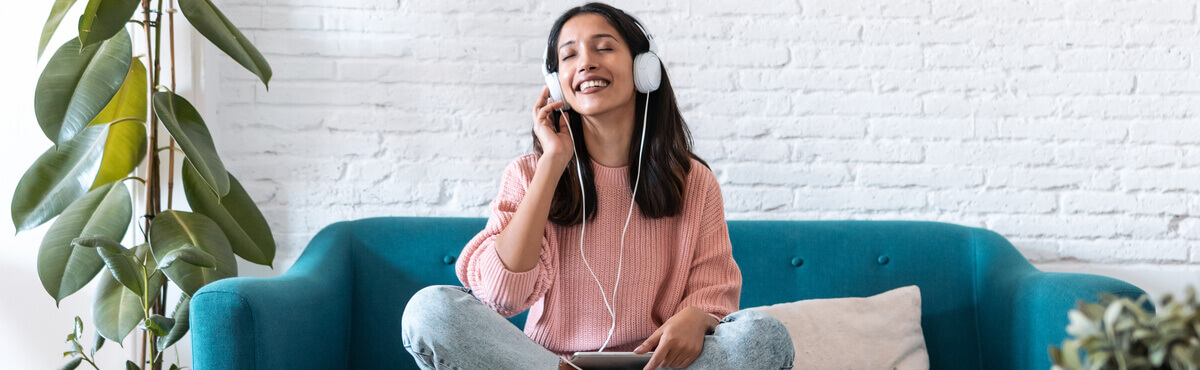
<point>569,56</point>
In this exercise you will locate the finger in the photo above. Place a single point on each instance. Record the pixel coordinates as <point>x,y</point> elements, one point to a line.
<point>673,360</point>
<point>546,119</point>
<point>650,344</point>
<point>542,114</point>
<point>656,361</point>
<point>687,360</point>
<point>552,106</point>
<point>542,98</point>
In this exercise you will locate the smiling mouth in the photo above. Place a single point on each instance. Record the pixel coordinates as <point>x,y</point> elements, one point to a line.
<point>592,86</point>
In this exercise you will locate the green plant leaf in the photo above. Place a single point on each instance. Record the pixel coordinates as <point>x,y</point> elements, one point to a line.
<point>120,261</point>
<point>1070,353</point>
<point>130,365</point>
<point>116,310</point>
<point>207,19</point>
<point>64,268</point>
<point>57,178</point>
<point>102,19</point>
<point>129,104</point>
<point>77,84</point>
<point>189,130</point>
<point>57,12</point>
<point>238,216</point>
<point>181,315</point>
<point>97,242</point>
<point>158,324</point>
<point>188,254</point>
<point>123,151</point>
<point>71,365</point>
<point>97,343</point>
<point>172,230</point>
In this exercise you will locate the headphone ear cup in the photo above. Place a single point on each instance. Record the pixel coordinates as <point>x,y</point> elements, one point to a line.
<point>647,72</point>
<point>556,93</point>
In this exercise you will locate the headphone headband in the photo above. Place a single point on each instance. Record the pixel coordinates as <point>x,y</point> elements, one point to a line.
<point>649,38</point>
<point>638,23</point>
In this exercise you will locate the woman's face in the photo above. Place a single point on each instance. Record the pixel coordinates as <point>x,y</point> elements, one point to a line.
<point>595,66</point>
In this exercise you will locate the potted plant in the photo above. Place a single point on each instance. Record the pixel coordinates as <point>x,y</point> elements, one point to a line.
<point>1118,333</point>
<point>102,108</point>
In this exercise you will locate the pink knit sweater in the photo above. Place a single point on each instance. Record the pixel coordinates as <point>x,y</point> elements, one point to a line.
<point>669,264</point>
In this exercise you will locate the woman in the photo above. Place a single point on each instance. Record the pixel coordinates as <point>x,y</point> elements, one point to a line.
<point>674,269</point>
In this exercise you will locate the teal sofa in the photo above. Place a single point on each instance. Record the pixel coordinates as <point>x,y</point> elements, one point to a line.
<point>984,306</point>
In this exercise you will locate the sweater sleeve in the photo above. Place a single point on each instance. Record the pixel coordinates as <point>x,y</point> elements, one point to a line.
<point>714,280</point>
<point>479,266</point>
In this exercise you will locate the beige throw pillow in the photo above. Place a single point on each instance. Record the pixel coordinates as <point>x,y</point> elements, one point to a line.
<point>878,332</point>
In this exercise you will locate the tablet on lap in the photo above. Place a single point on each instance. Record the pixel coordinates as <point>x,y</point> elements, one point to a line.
<point>611,360</point>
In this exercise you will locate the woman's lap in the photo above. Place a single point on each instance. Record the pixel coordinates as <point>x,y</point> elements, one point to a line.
<point>446,327</point>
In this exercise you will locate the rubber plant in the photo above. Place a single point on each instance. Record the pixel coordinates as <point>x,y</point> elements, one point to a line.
<point>102,109</point>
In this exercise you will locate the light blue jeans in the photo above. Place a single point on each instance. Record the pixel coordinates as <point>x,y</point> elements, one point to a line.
<point>446,327</point>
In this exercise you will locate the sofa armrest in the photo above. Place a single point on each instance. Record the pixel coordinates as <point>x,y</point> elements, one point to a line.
<point>299,320</point>
<point>1021,310</point>
<point>1044,300</point>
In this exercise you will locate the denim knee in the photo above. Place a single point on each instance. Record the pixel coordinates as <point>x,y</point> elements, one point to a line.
<point>436,295</point>
<point>428,305</point>
<point>765,331</point>
<point>764,324</point>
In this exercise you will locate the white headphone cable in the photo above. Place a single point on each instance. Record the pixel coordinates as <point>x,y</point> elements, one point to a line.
<point>621,259</point>
<point>583,230</point>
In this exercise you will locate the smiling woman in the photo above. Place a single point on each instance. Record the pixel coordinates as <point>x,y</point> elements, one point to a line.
<point>604,84</point>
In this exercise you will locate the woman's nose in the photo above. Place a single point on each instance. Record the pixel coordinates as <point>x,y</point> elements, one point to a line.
<point>585,62</point>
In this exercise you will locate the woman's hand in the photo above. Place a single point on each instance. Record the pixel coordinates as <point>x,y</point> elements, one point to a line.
<point>557,146</point>
<point>679,341</point>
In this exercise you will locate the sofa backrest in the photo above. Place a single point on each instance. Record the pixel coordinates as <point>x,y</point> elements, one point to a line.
<point>785,261</point>
<point>781,261</point>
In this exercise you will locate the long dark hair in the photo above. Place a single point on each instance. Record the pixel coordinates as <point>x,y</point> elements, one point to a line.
<point>668,149</point>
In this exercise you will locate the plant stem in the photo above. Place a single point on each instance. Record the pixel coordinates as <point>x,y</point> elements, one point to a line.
<point>139,179</point>
<point>171,156</point>
<point>172,148</point>
<point>150,163</point>
<point>160,303</point>
<point>89,361</point>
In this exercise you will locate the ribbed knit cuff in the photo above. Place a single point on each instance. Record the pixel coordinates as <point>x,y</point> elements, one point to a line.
<point>508,289</point>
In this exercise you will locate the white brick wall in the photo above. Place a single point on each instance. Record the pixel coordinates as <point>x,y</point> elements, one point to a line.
<point>1068,126</point>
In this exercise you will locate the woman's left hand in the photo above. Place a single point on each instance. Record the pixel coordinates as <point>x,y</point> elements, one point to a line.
<point>678,341</point>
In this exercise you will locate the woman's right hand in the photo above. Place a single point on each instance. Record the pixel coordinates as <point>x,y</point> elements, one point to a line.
<point>556,146</point>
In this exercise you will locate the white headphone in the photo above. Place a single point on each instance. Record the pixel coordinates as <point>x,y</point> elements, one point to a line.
<point>647,74</point>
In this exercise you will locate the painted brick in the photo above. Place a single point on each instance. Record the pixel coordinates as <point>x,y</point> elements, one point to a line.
<point>1113,251</point>
<point>1066,126</point>
<point>855,199</point>
<point>1006,202</point>
<point>922,128</point>
<point>790,174</point>
<point>852,151</point>
<point>865,8</point>
<point>1051,179</point>
<point>924,176</point>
